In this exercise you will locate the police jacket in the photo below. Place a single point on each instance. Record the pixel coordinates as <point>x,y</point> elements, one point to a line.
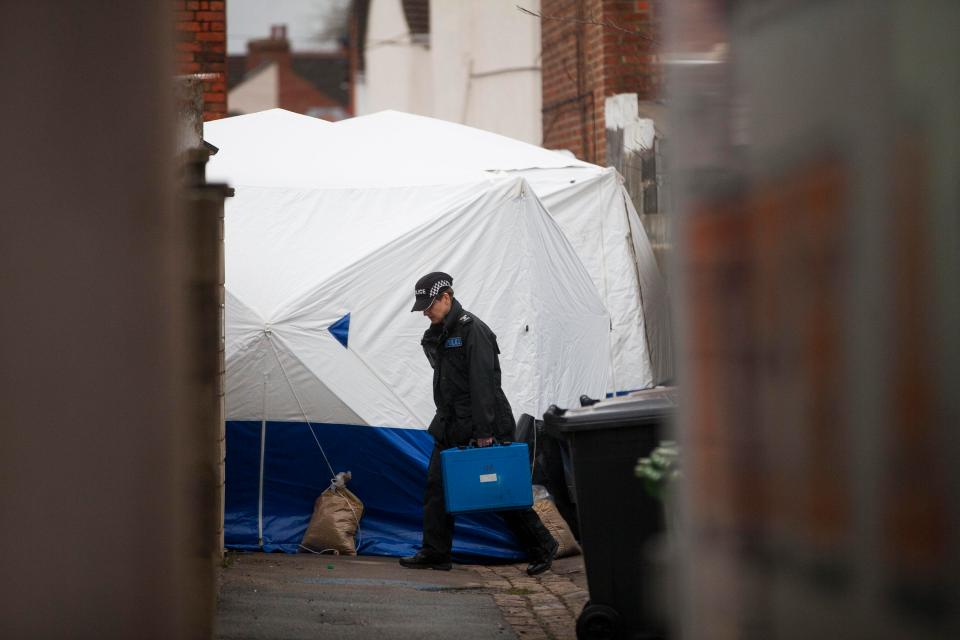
<point>466,380</point>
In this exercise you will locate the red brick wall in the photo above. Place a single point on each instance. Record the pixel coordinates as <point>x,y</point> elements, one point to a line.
<point>592,49</point>
<point>202,48</point>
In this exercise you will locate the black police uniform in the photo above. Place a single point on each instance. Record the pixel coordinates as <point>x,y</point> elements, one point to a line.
<point>470,405</point>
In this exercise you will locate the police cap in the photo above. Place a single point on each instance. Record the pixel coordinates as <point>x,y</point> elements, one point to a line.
<point>429,287</point>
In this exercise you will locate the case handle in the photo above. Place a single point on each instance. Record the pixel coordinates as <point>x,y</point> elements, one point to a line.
<point>496,443</point>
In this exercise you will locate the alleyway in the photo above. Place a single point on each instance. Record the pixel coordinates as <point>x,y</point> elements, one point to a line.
<point>307,596</point>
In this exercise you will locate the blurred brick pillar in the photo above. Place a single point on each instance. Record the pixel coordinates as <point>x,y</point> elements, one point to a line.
<point>94,375</point>
<point>201,48</point>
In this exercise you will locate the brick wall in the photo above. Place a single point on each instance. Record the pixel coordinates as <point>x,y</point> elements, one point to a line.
<point>202,49</point>
<point>592,49</point>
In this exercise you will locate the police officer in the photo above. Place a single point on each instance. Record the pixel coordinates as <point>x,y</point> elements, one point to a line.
<point>471,406</point>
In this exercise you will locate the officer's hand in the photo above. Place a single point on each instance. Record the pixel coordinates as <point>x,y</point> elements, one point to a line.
<point>484,442</point>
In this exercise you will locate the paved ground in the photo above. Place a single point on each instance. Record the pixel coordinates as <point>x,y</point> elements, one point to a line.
<point>544,606</point>
<point>309,596</point>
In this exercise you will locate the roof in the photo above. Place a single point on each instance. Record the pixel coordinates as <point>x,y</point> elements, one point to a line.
<point>360,12</point>
<point>236,70</point>
<point>417,13</point>
<point>327,72</point>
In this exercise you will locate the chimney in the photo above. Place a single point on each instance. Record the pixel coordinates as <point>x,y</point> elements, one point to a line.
<point>276,49</point>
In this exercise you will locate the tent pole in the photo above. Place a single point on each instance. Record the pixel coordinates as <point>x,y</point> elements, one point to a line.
<point>263,448</point>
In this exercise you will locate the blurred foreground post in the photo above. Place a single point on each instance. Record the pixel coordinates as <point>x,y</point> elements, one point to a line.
<point>818,162</point>
<point>106,531</point>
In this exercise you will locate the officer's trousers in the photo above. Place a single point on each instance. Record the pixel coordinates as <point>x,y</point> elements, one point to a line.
<point>525,524</point>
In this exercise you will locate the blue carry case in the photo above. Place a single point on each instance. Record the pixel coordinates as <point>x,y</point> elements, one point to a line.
<point>494,478</point>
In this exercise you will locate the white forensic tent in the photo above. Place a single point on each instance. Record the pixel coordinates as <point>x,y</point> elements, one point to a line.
<point>322,347</point>
<point>597,215</point>
<point>589,203</point>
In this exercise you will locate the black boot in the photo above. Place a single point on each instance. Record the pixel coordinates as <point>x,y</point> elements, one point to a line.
<point>546,559</point>
<point>425,560</point>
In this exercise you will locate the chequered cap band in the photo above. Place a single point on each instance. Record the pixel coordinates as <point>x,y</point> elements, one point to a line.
<point>439,284</point>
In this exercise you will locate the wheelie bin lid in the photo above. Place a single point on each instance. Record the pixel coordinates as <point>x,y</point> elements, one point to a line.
<point>634,409</point>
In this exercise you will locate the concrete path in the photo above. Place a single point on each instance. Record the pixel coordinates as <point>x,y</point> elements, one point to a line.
<point>310,596</point>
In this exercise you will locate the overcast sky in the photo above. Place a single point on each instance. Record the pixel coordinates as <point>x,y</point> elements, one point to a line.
<point>251,19</point>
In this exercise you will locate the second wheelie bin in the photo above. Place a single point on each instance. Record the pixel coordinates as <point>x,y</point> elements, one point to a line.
<point>619,521</point>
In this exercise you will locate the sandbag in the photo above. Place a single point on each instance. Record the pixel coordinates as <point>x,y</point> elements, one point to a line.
<point>335,521</point>
<point>555,524</point>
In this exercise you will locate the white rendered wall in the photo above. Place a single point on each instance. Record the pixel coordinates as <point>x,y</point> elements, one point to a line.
<point>255,94</point>
<point>398,71</point>
<point>485,56</point>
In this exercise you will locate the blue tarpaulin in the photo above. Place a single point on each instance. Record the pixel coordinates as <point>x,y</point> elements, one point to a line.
<point>389,468</point>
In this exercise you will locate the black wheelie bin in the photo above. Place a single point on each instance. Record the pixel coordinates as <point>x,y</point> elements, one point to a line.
<point>619,521</point>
